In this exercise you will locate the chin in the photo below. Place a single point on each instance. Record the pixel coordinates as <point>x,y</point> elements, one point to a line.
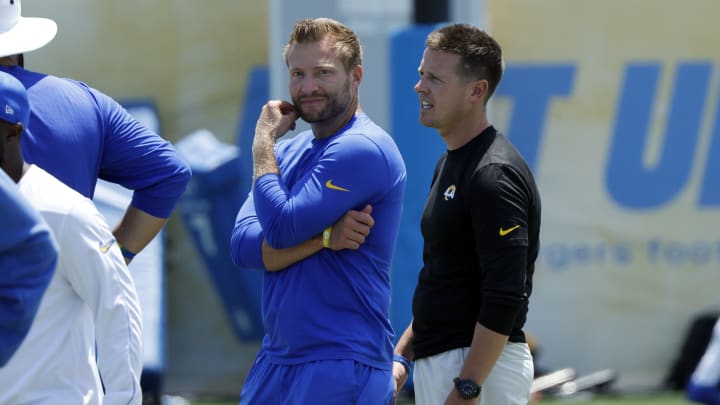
<point>312,118</point>
<point>426,122</point>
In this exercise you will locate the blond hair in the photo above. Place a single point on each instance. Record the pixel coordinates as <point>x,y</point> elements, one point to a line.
<point>345,40</point>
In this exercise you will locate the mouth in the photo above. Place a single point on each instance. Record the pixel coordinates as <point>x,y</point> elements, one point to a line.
<point>425,106</point>
<point>311,100</point>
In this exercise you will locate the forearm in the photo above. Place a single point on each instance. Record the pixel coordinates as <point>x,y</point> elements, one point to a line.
<point>485,349</point>
<point>264,160</point>
<point>276,119</point>
<point>136,229</point>
<point>404,344</point>
<point>279,259</point>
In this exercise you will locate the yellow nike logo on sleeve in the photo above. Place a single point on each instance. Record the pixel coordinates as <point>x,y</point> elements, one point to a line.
<point>504,232</point>
<point>331,186</point>
<point>104,248</point>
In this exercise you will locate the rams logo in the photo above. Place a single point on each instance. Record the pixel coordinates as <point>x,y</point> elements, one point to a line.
<point>449,193</point>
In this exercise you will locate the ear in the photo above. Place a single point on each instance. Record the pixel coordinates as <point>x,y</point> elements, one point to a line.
<point>479,89</point>
<point>14,134</point>
<point>357,73</point>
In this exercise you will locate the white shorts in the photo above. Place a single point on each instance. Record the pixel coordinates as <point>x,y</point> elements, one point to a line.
<point>509,381</point>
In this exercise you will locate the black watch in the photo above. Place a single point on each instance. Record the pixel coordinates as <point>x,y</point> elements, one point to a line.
<point>468,389</point>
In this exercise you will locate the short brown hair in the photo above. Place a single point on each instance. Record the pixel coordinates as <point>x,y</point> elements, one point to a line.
<point>481,56</point>
<point>346,41</point>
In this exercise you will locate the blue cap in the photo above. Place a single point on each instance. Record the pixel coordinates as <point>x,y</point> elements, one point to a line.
<point>14,105</point>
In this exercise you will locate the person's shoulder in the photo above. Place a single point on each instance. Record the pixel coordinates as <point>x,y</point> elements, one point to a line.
<point>65,210</point>
<point>64,88</point>
<point>364,131</point>
<point>48,194</point>
<point>357,142</point>
<point>503,152</point>
<point>364,141</point>
<point>363,125</point>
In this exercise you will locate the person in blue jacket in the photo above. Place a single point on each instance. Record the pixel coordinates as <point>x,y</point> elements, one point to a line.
<point>78,134</point>
<point>28,255</point>
<point>307,222</point>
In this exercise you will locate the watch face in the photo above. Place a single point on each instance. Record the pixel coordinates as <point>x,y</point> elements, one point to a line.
<point>467,388</point>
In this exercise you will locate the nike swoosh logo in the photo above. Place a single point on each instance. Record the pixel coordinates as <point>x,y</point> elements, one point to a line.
<point>331,186</point>
<point>104,248</point>
<point>504,232</point>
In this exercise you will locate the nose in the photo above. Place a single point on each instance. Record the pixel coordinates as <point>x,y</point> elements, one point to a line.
<point>308,85</point>
<point>419,87</point>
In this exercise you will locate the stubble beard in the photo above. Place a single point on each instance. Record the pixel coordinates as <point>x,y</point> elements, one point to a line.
<point>337,104</point>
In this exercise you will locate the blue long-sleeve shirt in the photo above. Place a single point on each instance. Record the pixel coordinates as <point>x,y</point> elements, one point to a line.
<point>79,134</point>
<point>28,255</point>
<point>333,304</point>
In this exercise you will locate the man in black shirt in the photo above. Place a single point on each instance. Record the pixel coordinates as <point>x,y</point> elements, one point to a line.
<point>480,227</point>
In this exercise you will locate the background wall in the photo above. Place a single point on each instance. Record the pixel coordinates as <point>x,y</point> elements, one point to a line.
<point>615,103</point>
<point>191,57</point>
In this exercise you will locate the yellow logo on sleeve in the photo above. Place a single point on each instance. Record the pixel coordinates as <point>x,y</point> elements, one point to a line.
<point>106,246</point>
<point>329,184</point>
<point>504,232</point>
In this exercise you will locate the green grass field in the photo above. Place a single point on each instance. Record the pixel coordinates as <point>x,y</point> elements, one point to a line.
<point>658,399</point>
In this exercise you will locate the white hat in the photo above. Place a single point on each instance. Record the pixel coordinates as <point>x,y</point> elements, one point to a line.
<point>20,34</point>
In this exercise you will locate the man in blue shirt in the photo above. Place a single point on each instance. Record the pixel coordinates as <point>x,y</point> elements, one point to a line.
<point>28,255</point>
<point>79,134</point>
<point>326,291</point>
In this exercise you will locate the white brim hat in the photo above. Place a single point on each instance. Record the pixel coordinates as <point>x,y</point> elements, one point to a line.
<point>22,34</point>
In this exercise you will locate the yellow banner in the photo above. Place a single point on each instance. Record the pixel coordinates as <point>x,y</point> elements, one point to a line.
<point>615,105</point>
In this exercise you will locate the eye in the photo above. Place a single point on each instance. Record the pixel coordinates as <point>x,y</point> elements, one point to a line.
<point>324,72</point>
<point>296,73</point>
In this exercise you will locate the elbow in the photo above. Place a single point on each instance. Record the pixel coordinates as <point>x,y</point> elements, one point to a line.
<point>178,178</point>
<point>236,244</point>
<point>184,173</point>
<point>500,312</point>
<point>244,251</point>
<point>181,176</point>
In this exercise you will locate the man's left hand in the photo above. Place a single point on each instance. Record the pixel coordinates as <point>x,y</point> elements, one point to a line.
<point>454,398</point>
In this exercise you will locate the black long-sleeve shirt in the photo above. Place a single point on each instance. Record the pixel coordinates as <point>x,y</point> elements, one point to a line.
<point>481,228</point>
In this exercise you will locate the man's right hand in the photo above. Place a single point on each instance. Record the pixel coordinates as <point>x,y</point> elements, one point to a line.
<point>400,376</point>
<point>350,231</point>
<point>277,117</point>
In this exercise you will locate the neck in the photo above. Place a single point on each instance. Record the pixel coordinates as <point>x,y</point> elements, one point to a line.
<point>9,61</point>
<point>464,131</point>
<point>328,128</point>
<point>16,169</point>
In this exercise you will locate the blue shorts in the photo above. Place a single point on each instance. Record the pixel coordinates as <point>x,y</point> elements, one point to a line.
<point>328,382</point>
